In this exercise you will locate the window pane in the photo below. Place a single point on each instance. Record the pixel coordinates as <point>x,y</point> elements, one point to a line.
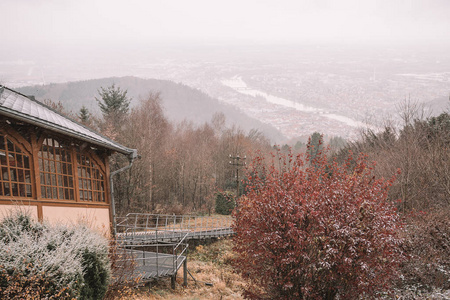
<point>3,161</point>
<point>15,189</point>
<point>6,189</point>
<point>22,190</point>
<point>19,161</point>
<point>27,176</point>
<point>10,146</point>
<point>13,175</point>
<point>20,174</point>
<point>5,174</point>
<point>26,162</point>
<point>29,193</point>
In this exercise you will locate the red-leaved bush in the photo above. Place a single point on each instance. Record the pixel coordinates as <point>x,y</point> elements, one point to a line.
<point>316,230</point>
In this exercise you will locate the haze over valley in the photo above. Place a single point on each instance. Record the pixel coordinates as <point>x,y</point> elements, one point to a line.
<point>298,90</point>
<point>297,66</point>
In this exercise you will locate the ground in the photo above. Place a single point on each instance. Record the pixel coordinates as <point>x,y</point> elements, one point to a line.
<point>212,264</point>
<point>208,264</point>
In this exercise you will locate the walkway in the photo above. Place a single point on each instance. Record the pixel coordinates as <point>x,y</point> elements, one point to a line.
<point>158,243</point>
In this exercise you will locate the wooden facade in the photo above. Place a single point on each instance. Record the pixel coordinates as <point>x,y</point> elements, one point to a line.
<point>58,177</point>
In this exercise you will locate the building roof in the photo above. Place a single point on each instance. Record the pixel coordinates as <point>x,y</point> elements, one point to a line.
<point>15,105</point>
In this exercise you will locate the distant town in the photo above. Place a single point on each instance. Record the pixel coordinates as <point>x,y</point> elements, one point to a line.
<point>332,91</point>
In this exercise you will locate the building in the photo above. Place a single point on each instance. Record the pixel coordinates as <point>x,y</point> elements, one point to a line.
<point>53,166</point>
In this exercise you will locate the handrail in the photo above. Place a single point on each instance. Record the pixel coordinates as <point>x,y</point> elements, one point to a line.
<point>160,241</point>
<point>184,237</point>
<point>175,256</point>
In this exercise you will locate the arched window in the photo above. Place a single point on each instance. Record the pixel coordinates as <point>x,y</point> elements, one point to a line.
<point>91,179</point>
<point>15,174</point>
<point>56,170</point>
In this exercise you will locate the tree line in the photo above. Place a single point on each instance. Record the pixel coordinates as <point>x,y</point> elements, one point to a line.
<point>365,228</point>
<point>181,166</point>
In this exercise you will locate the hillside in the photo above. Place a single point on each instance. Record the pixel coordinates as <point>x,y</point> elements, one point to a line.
<point>179,101</point>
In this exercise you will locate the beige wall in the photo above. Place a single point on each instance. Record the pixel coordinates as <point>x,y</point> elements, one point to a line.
<point>5,210</point>
<point>96,218</point>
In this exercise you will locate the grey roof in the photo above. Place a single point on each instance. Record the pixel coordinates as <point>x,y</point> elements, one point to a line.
<point>15,105</point>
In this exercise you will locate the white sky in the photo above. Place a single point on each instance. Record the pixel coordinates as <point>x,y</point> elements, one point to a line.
<point>81,22</point>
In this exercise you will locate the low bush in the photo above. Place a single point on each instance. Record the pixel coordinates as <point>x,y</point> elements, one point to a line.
<point>225,203</point>
<point>427,243</point>
<point>123,266</point>
<point>55,262</point>
<point>315,230</point>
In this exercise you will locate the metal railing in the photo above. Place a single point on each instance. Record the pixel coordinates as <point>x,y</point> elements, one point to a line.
<point>156,260</point>
<point>158,243</point>
<point>152,228</point>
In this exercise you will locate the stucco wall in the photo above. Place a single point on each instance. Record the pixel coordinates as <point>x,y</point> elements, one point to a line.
<point>7,209</point>
<point>96,218</point>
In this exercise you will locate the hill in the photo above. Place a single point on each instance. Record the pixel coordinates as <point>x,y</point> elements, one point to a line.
<point>179,101</point>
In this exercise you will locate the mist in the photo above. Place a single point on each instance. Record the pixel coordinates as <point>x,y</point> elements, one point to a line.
<point>101,25</point>
<point>349,60</point>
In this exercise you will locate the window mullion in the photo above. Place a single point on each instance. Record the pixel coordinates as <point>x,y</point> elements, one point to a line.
<point>76,184</point>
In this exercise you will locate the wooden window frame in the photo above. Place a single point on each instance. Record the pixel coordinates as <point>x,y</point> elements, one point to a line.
<point>96,166</point>
<point>75,147</point>
<point>18,142</point>
<point>56,169</point>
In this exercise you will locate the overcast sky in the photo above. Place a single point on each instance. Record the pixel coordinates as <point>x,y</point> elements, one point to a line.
<point>81,22</point>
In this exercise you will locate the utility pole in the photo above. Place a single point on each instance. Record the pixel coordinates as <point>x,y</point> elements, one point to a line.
<point>236,161</point>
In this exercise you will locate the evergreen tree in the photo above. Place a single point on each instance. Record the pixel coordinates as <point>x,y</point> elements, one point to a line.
<point>84,115</point>
<point>114,103</point>
<point>315,145</point>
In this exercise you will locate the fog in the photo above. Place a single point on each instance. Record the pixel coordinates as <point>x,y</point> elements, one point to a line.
<point>348,60</point>
<point>95,23</point>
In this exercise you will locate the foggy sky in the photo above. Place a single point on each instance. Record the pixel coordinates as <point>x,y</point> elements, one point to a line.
<point>92,23</point>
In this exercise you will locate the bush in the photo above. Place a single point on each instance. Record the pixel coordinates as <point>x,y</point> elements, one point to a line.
<point>428,245</point>
<point>55,262</point>
<point>225,203</point>
<point>316,230</point>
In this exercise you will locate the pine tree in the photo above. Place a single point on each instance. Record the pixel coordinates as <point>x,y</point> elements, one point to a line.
<point>315,145</point>
<point>114,103</point>
<point>84,115</point>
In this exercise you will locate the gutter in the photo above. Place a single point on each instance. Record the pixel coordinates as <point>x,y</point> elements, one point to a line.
<point>131,158</point>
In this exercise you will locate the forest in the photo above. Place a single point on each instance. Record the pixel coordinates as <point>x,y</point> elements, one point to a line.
<point>394,184</point>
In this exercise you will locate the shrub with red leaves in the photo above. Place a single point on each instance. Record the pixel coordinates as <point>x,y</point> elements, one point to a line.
<point>316,230</point>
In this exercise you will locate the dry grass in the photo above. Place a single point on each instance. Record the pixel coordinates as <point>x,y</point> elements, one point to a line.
<point>208,264</point>
<point>199,223</point>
